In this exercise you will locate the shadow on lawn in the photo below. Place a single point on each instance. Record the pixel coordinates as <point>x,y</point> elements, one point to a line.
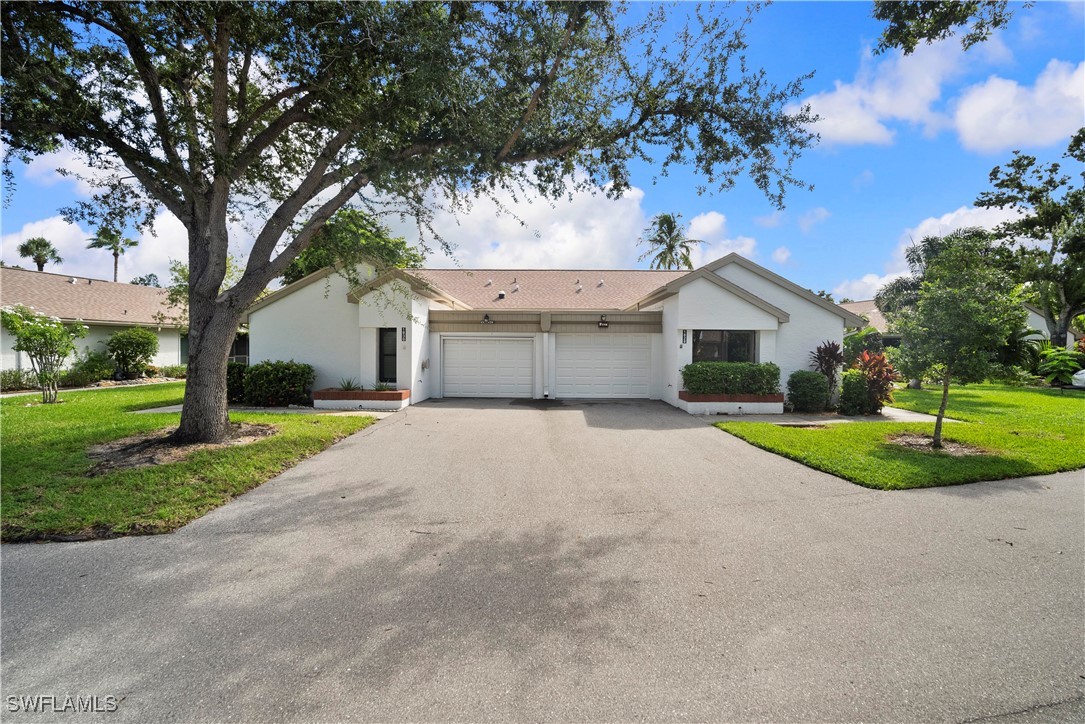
<point>942,470</point>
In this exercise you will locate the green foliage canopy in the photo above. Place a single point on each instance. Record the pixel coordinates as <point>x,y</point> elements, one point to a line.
<point>47,342</point>
<point>40,251</point>
<point>348,239</point>
<point>965,310</point>
<point>132,350</point>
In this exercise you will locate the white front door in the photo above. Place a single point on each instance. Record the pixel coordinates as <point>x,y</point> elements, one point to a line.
<point>488,366</point>
<point>603,365</point>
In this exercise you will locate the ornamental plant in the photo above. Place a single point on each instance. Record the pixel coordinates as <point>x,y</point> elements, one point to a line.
<point>1059,365</point>
<point>827,359</point>
<point>132,350</point>
<point>880,377</point>
<point>47,342</point>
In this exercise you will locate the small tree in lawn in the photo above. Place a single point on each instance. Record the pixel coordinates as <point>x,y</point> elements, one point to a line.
<point>964,312</point>
<point>46,340</point>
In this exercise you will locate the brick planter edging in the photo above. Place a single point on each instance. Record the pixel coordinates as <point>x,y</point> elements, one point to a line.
<point>690,397</point>
<point>330,393</point>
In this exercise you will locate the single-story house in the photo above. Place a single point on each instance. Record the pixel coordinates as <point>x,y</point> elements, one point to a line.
<point>868,309</point>
<point>542,334</point>
<point>105,307</point>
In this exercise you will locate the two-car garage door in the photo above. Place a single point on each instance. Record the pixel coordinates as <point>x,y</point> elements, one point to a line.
<point>595,365</point>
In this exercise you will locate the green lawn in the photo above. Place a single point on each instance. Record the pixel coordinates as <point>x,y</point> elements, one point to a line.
<point>1023,431</point>
<point>45,491</point>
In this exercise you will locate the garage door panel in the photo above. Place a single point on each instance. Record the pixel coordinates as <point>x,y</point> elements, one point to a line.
<point>488,367</point>
<point>603,365</point>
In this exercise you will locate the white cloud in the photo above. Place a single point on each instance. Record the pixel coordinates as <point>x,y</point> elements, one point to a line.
<point>587,231</point>
<point>1000,114</point>
<point>770,221</point>
<point>897,88</point>
<point>966,216</point>
<point>900,87</point>
<point>866,178</point>
<point>711,224</point>
<point>781,254</point>
<point>813,217</point>
<point>705,253</point>
<point>70,241</point>
<point>42,170</point>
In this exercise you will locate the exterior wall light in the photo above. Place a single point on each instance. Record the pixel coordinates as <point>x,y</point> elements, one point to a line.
<point>486,319</point>
<point>603,323</point>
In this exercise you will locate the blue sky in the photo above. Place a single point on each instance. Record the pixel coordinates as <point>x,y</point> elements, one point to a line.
<point>907,144</point>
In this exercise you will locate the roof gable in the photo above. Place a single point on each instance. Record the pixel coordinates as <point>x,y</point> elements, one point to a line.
<point>850,319</point>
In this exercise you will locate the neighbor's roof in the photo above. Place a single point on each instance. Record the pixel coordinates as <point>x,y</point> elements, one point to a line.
<point>869,309</point>
<point>91,300</point>
<point>547,288</point>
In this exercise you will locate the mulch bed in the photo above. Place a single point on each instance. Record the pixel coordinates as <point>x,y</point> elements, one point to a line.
<point>158,448</point>
<point>922,443</point>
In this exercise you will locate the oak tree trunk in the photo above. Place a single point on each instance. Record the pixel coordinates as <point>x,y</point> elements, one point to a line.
<point>204,415</point>
<point>116,261</point>
<point>937,442</point>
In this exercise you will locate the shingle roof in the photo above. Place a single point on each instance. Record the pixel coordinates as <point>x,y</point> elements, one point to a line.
<point>547,288</point>
<point>869,309</point>
<point>92,300</point>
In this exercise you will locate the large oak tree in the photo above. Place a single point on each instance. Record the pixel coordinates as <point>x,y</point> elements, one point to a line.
<point>283,112</point>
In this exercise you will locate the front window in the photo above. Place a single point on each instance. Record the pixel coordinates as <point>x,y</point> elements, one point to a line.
<point>724,345</point>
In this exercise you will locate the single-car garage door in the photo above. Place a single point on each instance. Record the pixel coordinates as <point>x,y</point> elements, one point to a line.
<point>603,365</point>
<point>487,366</point>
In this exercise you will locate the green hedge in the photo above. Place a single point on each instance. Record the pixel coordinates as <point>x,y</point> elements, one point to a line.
<point>853,393</point>
<point>731,378</point>
<point>808,391</point>
<point>277,384</point>
<point>235,381</point>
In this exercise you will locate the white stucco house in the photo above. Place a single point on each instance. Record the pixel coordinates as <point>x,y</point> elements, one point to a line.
<point>543,334</point>
<point>105,307</point>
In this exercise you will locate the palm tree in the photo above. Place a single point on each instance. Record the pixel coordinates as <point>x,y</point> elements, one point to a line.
<point>112,240</point>
<point>41,251</point>
<point>668,245</point>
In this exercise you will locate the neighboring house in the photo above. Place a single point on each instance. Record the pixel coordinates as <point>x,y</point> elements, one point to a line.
<point>870,310</point>
<point>104,307</point>
<point>542,333</point>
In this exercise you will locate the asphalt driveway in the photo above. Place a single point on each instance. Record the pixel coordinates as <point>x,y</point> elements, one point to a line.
<point>494,561</point>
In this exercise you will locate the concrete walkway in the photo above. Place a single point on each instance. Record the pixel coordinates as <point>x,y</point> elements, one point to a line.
<point>467,560</point>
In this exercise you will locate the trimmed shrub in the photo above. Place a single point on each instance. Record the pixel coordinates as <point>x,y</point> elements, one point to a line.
<point>90,367</point>
<point>175,371</point>
<point>808,391</point>
<point>853,395</point>
<point>277,384</point>
<point>235,381</point>
<point>11,380</point>
<point>731,378</point>
<point>132,350</point>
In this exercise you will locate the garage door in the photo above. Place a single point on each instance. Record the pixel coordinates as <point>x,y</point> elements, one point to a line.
<point>603,365</point>
<point>487,367</point>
